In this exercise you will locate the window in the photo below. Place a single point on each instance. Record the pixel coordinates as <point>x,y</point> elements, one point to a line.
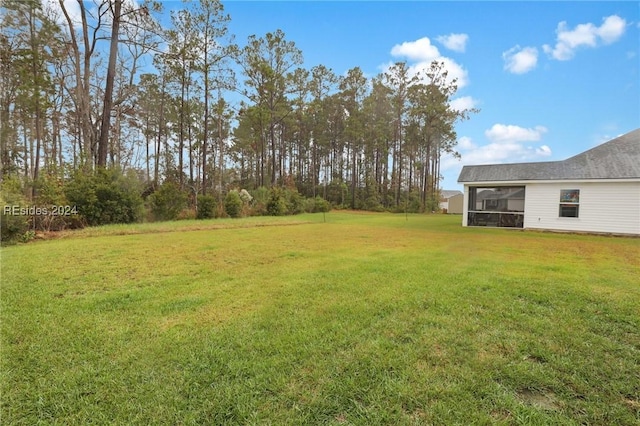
<point>491,204</point>
<point>569,202</point>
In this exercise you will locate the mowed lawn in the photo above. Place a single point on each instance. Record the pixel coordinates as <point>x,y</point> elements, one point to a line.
<point>365,319</point>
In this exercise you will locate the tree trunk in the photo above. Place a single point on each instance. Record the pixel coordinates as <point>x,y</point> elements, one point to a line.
<point>103,141</point>
<point>221,151</point>
<point>205,131</point>
<point>181,132</point>
<point>147,141</point>
<point>272,137</point>
<point>159,138</point>
<point>353,177</point>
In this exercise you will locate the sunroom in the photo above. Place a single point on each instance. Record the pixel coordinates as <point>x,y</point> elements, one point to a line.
<point>496,206</point>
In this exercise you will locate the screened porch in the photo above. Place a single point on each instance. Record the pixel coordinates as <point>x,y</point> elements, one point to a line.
<point>498,206</point>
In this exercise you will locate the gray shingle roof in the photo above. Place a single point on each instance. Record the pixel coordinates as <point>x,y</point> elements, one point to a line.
<point>446,193</point>
<point>617,159</point>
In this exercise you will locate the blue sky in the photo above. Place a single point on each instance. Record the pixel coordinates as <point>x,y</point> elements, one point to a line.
<point>552,79</point>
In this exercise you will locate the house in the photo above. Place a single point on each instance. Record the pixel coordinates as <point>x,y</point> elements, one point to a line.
<point>445,200</point>
<point>455,204</point>
<point>595,191</point>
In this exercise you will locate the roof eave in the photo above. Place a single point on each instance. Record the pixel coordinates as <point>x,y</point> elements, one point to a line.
<point>528,181</point>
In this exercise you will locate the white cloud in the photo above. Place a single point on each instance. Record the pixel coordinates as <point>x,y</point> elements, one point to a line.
<point>507,134</point>
<point>494,153</point>
<point>420,50</point>
<point>611,29</point>
<point>507,144</point>
<point>450,164</point>
<point>463,103</point>
<point>543,151</point>
<point>422,53</point>
<point>505,151</point>
<point>455,42</point>
<point>519,60</point>
<point>585,35</point>
<point>466,143</point>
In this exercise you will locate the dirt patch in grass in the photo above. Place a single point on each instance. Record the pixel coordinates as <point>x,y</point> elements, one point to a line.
<point>541,399</point>
<point>501,415</point>
<point>633,404</point>
<point>536,359</point>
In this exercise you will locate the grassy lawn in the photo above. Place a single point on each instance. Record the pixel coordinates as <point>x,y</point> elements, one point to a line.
<point>365,319</point>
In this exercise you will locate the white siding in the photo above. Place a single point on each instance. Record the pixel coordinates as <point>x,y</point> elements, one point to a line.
<point>611,207</point>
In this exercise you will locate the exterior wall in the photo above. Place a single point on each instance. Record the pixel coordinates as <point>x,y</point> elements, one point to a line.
<point>455,204</point>
<point>610,207</point>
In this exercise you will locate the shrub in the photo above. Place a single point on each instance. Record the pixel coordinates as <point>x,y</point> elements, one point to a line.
<point>105,197</point>
<point>245,196</point>
<point>167,202</point>
<point>13,228</point>
<point>50,194</point>
<point>433,204</point>
<point>321,205</point>
<point>247,203</point>
<point>186,214</point>
<point>259,202</point>
<point>317,205</point>
<point>309,205</point>
<point>206,207</point>
<point>295,201</point>
<point>233,204</point>
<point>260,195</point>
<point>337,193</point>
<point>411,202</point>
<point>372,203</point>
<point>277,205</point>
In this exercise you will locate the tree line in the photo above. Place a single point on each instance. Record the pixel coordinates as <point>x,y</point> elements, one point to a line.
<point>108,86</point>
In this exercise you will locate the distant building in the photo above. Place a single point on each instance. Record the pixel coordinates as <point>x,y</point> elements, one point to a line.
<point>595,191</point>
<point>445,201</point>
<point>456,204</point>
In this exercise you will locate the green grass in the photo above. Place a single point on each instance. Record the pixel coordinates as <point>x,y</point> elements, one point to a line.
<point>365,319</point>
